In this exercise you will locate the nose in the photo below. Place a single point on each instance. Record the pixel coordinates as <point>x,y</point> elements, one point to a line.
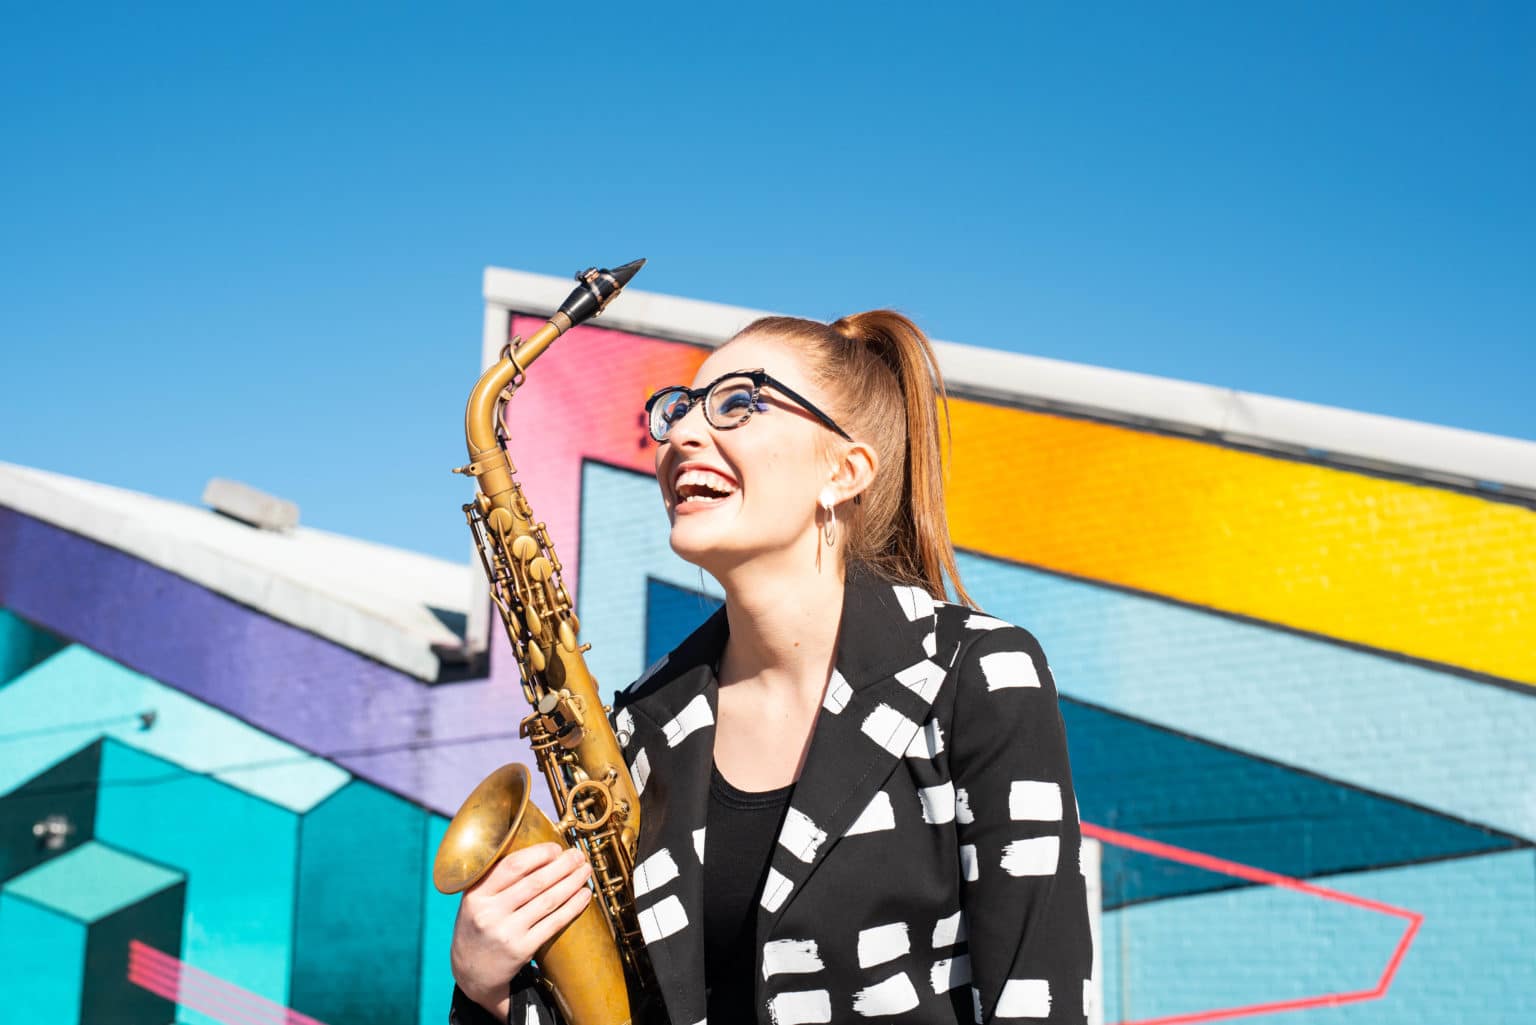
<point>689,431</point>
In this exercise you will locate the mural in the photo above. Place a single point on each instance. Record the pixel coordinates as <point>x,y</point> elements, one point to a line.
<point>1301,703</point>
<point>1288,688</point>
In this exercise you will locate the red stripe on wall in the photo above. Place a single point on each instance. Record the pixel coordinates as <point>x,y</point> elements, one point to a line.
<point>174,979</point>
<point>1265,877</point>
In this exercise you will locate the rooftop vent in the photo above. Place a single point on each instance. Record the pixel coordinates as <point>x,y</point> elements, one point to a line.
<point>244,503</point>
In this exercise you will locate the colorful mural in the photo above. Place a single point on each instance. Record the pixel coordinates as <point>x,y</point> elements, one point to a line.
<point>1288,687</point>
<point>1300,704</point>
<point>167,851</point>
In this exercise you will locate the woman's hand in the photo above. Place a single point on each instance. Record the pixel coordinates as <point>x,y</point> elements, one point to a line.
<point>522,903</point>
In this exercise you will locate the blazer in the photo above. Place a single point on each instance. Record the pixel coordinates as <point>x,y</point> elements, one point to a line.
<point>929,866</point>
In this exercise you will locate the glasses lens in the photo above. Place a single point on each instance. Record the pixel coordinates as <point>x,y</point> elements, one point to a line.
<point>731,401</point>
<point>670,407</point>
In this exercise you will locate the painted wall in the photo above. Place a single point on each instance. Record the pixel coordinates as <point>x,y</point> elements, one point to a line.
<point>1301,702</point>
<point>1301,706</point>
<point>245,813</point>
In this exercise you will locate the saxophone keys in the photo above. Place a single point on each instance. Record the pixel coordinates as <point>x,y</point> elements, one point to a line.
<point>499,520</point>
<point>536,654</point>
<point>535,625</point>
<point>523,546</point>
<point>567,636</point>
<point>540,568</point>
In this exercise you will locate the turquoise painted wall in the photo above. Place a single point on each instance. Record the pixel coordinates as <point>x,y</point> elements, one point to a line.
<point>291,883</point>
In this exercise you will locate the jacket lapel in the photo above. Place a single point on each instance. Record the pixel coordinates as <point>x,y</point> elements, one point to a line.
<point>888,674</point>
<point>673,711</point>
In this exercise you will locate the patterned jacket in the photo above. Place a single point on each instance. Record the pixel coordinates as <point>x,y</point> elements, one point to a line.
<point>928,868</point>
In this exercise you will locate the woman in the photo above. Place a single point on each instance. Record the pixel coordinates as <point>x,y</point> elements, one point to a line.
<point>856,798</point>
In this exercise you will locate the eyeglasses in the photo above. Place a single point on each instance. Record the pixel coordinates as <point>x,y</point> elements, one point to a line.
<point>729,402</point>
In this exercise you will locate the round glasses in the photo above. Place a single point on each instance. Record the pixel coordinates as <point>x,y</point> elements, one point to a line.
<point>729,402</point>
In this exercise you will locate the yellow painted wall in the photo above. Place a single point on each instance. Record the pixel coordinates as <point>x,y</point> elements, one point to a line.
<point>1407,568</point>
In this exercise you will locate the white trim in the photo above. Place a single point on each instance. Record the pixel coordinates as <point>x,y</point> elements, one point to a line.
<point>1092,856</point>
<point>493,334</point>
<point>1329,434</point>
<point>645,313</point>
<point>477,627</point>
<point>371,598</point>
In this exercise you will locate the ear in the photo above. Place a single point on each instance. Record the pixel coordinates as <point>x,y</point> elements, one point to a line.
<point>852,474</point>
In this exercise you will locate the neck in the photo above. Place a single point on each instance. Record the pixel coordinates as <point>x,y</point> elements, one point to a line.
<point>783,626</point>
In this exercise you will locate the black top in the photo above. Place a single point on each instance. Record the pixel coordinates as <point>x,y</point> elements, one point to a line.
<point>740,829</point>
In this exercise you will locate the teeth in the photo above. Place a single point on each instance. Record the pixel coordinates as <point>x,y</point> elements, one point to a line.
<point>689,483</point>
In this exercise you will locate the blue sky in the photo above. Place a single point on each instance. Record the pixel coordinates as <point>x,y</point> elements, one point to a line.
<point>247,240</point>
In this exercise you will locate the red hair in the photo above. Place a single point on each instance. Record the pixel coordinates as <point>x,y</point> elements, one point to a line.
<point>884,385</point>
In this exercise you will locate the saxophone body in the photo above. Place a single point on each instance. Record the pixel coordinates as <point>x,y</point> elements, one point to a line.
<point>585,967</point>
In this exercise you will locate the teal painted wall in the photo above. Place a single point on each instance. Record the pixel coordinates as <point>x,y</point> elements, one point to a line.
<point>287,883</point>
<point>357,928</point>
<point>23,645</point>
<point>42,962</point>
<point>438,914</point>
<point>239,853</point>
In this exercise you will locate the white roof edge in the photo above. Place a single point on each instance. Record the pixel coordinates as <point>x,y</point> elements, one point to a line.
<point>49,497</point>
<point>1343,436</point>
<point>643,313</point>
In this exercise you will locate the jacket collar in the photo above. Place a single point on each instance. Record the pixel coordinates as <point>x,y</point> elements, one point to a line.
<point>884,628</point>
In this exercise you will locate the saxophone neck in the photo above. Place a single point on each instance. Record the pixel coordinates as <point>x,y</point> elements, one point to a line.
<point>596,288</point>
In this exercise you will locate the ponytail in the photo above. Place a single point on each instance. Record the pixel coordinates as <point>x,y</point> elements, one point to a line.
<point>887,390</point>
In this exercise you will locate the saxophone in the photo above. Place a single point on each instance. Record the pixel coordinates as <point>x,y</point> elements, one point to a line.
<point>575,748</point>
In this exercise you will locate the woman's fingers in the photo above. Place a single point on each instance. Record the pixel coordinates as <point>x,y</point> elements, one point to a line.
<point>514,867</point>
<point>539,894</point>
<point>561,916</point>
<point>569,867</point>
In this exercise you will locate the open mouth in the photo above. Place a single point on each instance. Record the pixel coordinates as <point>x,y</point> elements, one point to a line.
<point>696,489</point>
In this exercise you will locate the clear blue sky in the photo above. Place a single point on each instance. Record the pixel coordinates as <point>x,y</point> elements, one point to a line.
<point>246,239</point>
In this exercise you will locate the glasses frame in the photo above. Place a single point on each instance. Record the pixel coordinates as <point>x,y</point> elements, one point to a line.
<point>758,377</point>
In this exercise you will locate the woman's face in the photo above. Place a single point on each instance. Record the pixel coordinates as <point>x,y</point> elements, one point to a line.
<point>736,495</point>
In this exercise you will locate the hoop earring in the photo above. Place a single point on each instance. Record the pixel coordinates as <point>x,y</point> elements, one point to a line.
<point>829,529</point>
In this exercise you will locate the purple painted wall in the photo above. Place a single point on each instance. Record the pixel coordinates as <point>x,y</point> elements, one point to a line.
<point>380,724</point>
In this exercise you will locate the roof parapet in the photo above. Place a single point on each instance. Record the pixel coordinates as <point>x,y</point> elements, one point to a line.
<point>250,505</point>
<point>1492,465</point>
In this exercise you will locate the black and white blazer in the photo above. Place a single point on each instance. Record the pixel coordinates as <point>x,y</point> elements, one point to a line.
<point>929,865</point>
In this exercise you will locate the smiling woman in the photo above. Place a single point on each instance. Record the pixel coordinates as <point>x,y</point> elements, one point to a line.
<point>877,776</point>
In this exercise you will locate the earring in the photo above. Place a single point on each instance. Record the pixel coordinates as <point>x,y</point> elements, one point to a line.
<point>829,529</point>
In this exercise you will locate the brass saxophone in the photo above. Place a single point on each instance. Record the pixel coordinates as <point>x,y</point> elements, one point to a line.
<point>575,748</point>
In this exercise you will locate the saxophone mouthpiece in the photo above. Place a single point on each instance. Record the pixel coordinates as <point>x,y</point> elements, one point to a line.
<point>596,290</point>
<point>629,270</point>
